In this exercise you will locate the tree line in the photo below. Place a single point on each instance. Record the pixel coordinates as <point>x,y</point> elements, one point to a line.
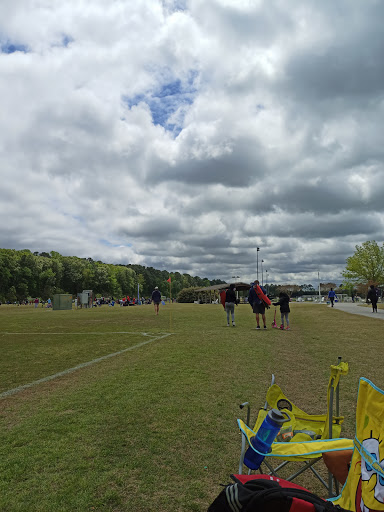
<point>24,275</point>
<point>298,290</point>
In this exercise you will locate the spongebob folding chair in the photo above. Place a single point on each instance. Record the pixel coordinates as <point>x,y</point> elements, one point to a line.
<point>363,490</point>
<point>305,436</point>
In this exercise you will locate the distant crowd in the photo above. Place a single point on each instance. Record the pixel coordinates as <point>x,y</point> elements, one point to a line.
<point>125,301</point>
<point>33,302</point>
<point>109,301</point>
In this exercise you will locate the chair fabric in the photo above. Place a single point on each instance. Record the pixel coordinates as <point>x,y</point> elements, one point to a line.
<point>310,432</point>
<point>300,451</point>
<point>363,490</point>
<point>338,464</point>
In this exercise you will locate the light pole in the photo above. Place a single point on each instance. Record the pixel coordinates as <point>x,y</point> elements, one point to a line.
<point>266,280</point>
<point>257,262</point>
<point>262,274</point>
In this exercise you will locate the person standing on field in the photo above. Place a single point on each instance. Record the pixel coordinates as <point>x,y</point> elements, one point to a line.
<point>258,306</point>
<point>372,296</point>
<point>283,302</point>
<point>230,301</point>
<point>331,295</point>
<point>156,298</point>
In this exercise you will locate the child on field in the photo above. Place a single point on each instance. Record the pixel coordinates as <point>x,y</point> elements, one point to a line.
<point>284,309</point>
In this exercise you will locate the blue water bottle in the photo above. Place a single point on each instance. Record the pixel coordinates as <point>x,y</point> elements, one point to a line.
<point>264,438</point>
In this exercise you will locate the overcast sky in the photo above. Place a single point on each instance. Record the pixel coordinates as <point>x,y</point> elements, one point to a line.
<point>184,134</point>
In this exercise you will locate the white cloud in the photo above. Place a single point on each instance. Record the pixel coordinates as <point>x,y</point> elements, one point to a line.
<point>184,134</point>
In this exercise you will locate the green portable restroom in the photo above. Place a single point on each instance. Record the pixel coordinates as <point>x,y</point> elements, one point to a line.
<point>62,301</point>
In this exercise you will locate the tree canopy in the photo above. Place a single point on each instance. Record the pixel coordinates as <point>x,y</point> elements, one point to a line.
<point>24,274</point>
<point>366,265</point>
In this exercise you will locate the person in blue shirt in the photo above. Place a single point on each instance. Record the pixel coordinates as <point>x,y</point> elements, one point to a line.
<point>156,298</point>
<point>331,296</point>
<point>258,306</point>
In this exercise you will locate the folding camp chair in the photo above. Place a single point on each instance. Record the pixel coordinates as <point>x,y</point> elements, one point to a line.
<point>307,435</point>
<point>363,490</point>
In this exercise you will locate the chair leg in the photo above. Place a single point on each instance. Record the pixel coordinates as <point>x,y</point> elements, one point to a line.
<point>307,465</point>
<point>243,444</point>
<point>274,471</point>
<point>321,479</point>
<point>270,467</point>
<point>330,485</point>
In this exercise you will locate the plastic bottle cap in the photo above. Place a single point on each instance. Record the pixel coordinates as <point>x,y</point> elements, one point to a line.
<point>277,416</point>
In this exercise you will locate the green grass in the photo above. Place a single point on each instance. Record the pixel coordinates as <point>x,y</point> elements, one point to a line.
<point>154,428</point>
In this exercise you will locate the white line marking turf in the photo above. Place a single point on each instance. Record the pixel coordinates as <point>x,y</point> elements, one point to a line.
<point>82,365</point>
<point>83,332</point>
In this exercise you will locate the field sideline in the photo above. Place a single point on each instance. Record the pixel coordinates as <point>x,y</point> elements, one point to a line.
<point>115,409</point>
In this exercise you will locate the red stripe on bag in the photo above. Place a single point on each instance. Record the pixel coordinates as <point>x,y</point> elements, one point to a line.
<point>299,505</point>
<point>283,483</point>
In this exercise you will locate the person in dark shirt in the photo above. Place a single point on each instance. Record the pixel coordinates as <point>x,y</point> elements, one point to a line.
<point>258,306</point>
<point>230,301</point>
<point>284,310</point>
<point>372,296</point>
<point>156,298</point>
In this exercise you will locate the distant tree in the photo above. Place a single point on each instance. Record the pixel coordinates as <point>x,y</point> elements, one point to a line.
<point>187,295</point>
<point>73,274</point>
<point>366,265</point>
<point>139,284</point>
<point>101,280</point>
<point>47,281</point>
<point>26,278</point>
<point>272,290</point>
<point>176,283</point>
<point>8,269</point>
<point>307,289</point>
<point>291,289</point>
<point>325,287</point>
<point>25,274</point>
<point>121,280</point>
<point>11,294</point>
<point>348,288</point>
<point>219,281</point>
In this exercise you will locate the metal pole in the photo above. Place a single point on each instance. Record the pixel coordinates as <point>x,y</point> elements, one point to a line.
<point>330,436</point>
<point>262,273</point>
<point>338,391</point>
<point>257,262</point>
<point>266,280</point>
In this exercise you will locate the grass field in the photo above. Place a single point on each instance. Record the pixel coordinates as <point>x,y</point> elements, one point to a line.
<point>115,409</point>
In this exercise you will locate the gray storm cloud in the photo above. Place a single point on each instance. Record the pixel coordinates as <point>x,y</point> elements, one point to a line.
<point>183,135</point>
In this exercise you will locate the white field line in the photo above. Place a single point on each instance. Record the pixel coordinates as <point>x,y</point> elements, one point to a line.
<point>84,333</point>
<point>82,365</point>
